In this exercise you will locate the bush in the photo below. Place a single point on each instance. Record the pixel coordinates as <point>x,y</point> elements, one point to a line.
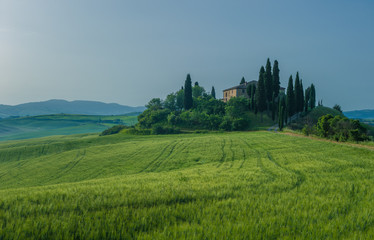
<point>158,129</point>
<point>239,124</point>
<point>113,130</point>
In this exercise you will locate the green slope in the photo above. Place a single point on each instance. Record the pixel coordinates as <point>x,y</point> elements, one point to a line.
<point>58,124</point>
<point>252,185</point>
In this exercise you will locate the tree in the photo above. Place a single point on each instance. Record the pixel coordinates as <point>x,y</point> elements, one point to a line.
<point>290,98</point>
<point>170,102</point>
<point>197,91</point>
<point>251,89</point>
<point>213,92</point>
<point>179,99</point>
<point>312,97</point>
<point>242,81</point>
<point>307,99</point>
<point>297,94</point>
<point>338,108</point>
<point>260,92</point>
<point>196,83</point>
<point>268,82</point>
<point>276,81</point>
<point>302,96</point>
<point>188,102</point>
<point>281,113</point>
<point>154,104</point>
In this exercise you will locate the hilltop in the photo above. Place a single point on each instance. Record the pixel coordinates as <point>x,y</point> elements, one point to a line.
<point>62,106</point>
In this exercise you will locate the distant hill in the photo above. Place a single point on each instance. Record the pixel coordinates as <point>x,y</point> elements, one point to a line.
<point>360,114</point>
<point>63,106</point>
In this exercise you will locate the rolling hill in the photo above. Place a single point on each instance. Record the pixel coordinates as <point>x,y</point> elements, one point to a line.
<point>62,106</point>
<point>243,185</point>
<point>59,124</point>
<point>360,114</point>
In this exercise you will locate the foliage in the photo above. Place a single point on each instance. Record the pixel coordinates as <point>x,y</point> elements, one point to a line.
<point>338,108</point>
<point>276,79</point>
<point>341,129</point>
<point>153,116</point>
<point>197,91</point>
<point>188,101</point>
<point>268,79</point>
<point>213,93</point>
<point>242,81</point>
<point>261,91</point>
<point>113,130</point>
<point>290,100</point>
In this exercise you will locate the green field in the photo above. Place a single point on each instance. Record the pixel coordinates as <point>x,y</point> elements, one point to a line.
<point>248,185</point>
<point>58,124</point>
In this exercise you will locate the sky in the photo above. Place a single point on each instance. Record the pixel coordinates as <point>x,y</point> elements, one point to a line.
<point>128,52</point>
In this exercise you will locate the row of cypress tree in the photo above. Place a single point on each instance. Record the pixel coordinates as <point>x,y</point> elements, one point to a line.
<point>265,96</point>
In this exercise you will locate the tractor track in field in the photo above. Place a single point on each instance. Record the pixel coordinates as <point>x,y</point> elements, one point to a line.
<point>158,163</point>
<point>156,158</point>
<point>223,156</point>
<point>243,161</point>
<point>300,178</point>
<point>232,154</point>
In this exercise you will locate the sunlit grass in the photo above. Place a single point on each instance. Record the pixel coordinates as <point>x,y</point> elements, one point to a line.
<point>254,185</point>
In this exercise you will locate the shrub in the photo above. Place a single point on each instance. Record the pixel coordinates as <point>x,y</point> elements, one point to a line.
<point>113,130</point>
<point>159,129</point>
<point>239,124</point>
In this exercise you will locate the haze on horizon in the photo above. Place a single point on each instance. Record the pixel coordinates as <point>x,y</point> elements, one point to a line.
<point>128,52</point>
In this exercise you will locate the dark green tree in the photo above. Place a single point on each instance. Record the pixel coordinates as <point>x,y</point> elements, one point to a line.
<point>276,79</point>
<point>251,89</point>
<point>302,96</point>
<point>281,113</point>
<point>170,102</point>
<point>312,97</point>
<point>188,102</point>
<point>268,77</point>
<point>297,93</point>
<point>196,83</point>
<point>197,91</point>
<point>213,92</point>
<point>261,92</point>
<point>290,98</point>
<point>242,81</point>
<point>338,108</point>
<point>179,99</point>
<point>307,99</point>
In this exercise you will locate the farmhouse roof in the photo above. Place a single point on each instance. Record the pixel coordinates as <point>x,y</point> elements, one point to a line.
<point>242,86</point>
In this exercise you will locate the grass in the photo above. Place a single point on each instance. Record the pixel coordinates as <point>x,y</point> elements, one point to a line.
<point>58,124</point>
<point>249,185</point>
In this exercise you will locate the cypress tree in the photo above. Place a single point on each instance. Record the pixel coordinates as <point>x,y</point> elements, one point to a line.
<point>297,94</point>
<point>242,81</point>
<point>268,81</point>
<point>290,98</point>
<point>188,102</point>
<point>261,92</point>
<point>213,92</point>
<point>302,96</point>
<point>312,97</point>
<point>276,81</point>
<point>281,113</point>
<point>307,99</point>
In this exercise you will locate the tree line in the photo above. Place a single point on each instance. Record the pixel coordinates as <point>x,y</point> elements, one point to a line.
<point>193,107</point>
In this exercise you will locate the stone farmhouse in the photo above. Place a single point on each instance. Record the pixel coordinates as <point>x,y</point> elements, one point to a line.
<point>241,91</point>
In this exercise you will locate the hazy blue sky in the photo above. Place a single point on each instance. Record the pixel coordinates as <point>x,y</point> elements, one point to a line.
<point>131,51</point>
